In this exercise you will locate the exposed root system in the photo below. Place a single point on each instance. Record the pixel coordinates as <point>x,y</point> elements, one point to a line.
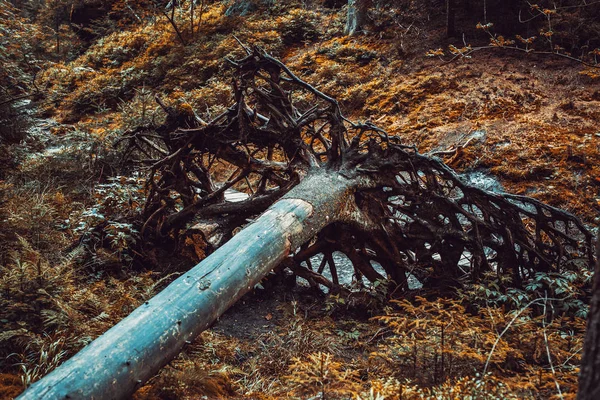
<point>413,217</point>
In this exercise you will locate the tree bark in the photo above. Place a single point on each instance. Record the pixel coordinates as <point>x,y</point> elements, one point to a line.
<point>58,37</point>
<point>192,19</point>
<point>589,377</point>
<point>450,10</point>
<point>357,16</point>
<point>119,362</point>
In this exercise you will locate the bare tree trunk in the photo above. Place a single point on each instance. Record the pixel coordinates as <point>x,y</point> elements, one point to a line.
<point>589,377</point>
<point>450,16</point>
<point>117,363</point>
<point>58,38</point>
<point>485,11</point>
<point>192,19</point>
<point>202,3</point>
<point>357,16</point>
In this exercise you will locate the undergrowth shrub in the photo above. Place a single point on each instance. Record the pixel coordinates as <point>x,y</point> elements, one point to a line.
<point>21,50</point>
<point>566,289</point>
<point>318,374</point>
<point>415,350</point>
<point>110,71</point>
<point>436,340</point>
<point>50,303</point>
<point>13,129</point>
<point>39,360</point>
<point>188,380</point>
<point>209,99</point>
<point>481,388</point>
<point>13,123</point>
<point>298,26</point>
<point>294,339</point>
<point>50,311</point>
<point>86,158</point>
<point>31,213</point>
<point>110,227</point>
<point>30,289</point>
<point>142,110</point>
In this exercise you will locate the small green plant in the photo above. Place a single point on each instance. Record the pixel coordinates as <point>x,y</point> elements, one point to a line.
<point>564,288</point>
<point>39,363</point>
<point>349,335</point>
<point>142,110</point>
<point>118,204</point>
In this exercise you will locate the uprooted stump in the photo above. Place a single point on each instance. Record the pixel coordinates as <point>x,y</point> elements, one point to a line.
<point>410,212</point>
<point>316,183</point>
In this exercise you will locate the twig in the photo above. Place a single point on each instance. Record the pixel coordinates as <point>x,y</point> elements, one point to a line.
<point>451,151</point>
<point>171,20</point>
<point>521,311</point>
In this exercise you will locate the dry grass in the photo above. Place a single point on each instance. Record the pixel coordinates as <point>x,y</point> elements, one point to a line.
<point>538,120</point>
<point>400,354</point>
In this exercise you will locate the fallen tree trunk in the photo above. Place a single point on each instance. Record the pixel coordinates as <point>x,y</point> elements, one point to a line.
<point>115,365</point>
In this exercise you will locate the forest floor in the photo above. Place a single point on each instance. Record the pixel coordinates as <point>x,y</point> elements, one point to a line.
<point>532,124</point>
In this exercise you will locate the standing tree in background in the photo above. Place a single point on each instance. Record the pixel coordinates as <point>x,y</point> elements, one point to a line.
<point>357,16</point>
<point>589,378</point>
<point>450,4</point>
<point>55,14</point>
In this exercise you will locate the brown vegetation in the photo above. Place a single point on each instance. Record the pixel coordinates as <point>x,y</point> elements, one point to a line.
<point>70,217</point>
